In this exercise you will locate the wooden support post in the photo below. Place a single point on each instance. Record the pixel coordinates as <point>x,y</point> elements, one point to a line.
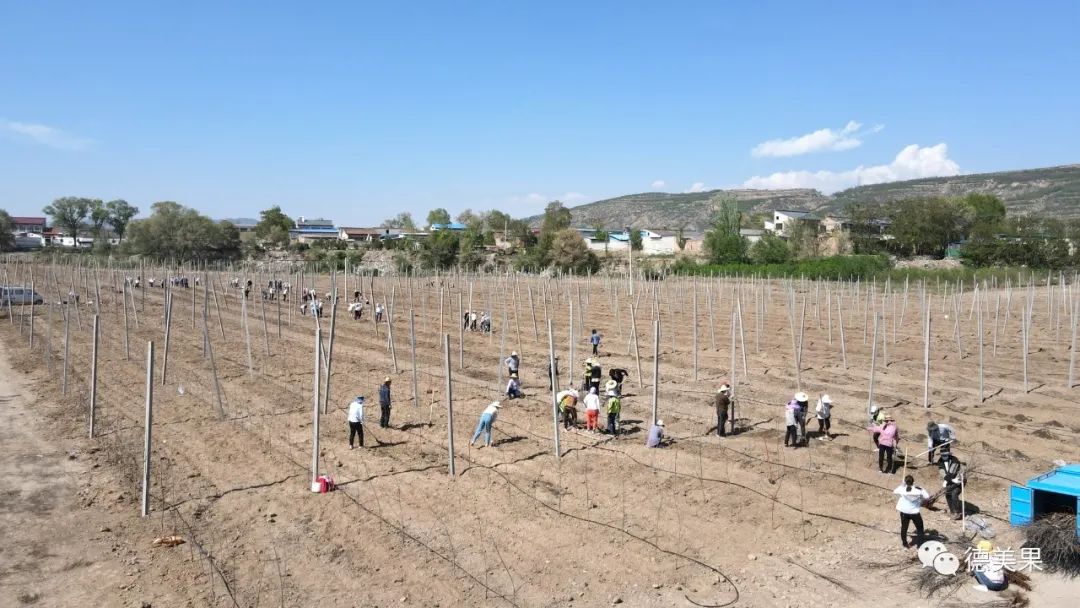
<point>247,336</point>
<point>93,376</point>
<point>67,343</point>
<point>330,354</point>
<point>148,425</point>
<point>213,366</point>
<point>168,328</point>
<point>873,366</point>
<point>637,348</point>
<point>461,336</point>
<point>554,378</point>
<point>656,369</point>
<point>412,347</point>
<point>979,329</point>
<point>315,411</point>
<point>926,353</point>
<point>390,338</point>
<point>695,341</point>
<point>449,402</point>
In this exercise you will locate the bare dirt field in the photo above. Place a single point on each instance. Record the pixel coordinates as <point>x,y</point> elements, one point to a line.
<point>705,521</point>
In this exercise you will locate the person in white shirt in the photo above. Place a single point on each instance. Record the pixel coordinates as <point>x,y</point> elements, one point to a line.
<point>513,388</point>
<point>356,420</point>
<point>909,505</point>
<point>487,419</point>
<point>824,417</point>
<point>592,410</point>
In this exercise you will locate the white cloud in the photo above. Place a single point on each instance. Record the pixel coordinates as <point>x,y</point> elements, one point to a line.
<point>912,162</point>
<point>659,183</point>
<point>43,134</point>
<point>822,140</point>
<point>697,187</point>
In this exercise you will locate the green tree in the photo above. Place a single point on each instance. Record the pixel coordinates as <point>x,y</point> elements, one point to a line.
<point>802,239</point>
<point>99,216</point>
<point>69,213</point>
<point>724,244</point>
<point>469,218</point>
<point>927,226</point>
<point>866,221</point>
<point>471,246</point>
<point>770,249</point>
<point>7,227</point>
<point>497,220</point>
<point>178,233</point>
<point>438,216</point>
<point>570,253</point>
<point>440,250</point>
<point>556,218</point>
<point>635,239</point>
<point>987,212</point>
<point>402,220</point>
<point>120,214</point>
<point>274,226</point>
<point>601,235</point>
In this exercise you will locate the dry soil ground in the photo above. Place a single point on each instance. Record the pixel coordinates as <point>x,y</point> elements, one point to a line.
<point>735,521</point>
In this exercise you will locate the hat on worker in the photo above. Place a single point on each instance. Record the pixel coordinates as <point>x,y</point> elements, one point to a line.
<point>386,380</point>
<point>512,353</point>
<point>611,393</point>
<point>611,384</point>
<point>985,546</point>
<point>723,388</point>
<point>659,423</point>
<point>496,404</point>
<point>514,375</point>
<point>360,398</point>
<point>800,397</point>
<point>592,390</point>
<point>826,399</point>
<point>889,418</point>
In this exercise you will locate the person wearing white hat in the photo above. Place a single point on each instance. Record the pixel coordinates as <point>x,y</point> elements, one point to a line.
<point>795,419</point>
<point>356,420</point>
<point>824,417</point>
<point>384,403</point>
<point>513,388</point>
<point>592,410</point>
<point>656,435</point>
<point>487,419</point>
<point>723,406</point>
<point>512,363</point>
<point>614,410</point>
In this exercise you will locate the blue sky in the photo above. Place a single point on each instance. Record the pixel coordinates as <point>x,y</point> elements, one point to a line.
<point>356,111</point>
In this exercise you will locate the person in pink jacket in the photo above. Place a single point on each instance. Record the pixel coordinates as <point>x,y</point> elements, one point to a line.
<point>888,437</point>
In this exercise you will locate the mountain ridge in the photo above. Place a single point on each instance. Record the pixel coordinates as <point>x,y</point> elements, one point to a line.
<point>1039,191</point>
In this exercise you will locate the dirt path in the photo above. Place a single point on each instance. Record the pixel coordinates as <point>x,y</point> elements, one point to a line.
<point>64,544</point>
<point>47,556</point>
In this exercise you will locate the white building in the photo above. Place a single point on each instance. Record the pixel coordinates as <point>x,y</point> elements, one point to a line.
<point>783,221</point>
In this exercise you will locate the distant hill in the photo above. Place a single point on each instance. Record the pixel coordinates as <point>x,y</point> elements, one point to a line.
<point>1053,190</point>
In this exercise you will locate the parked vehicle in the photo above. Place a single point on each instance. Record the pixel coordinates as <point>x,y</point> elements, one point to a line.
<point>18,296</point>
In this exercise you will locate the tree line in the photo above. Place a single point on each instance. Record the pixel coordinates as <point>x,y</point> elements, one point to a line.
<point>977,224</point>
